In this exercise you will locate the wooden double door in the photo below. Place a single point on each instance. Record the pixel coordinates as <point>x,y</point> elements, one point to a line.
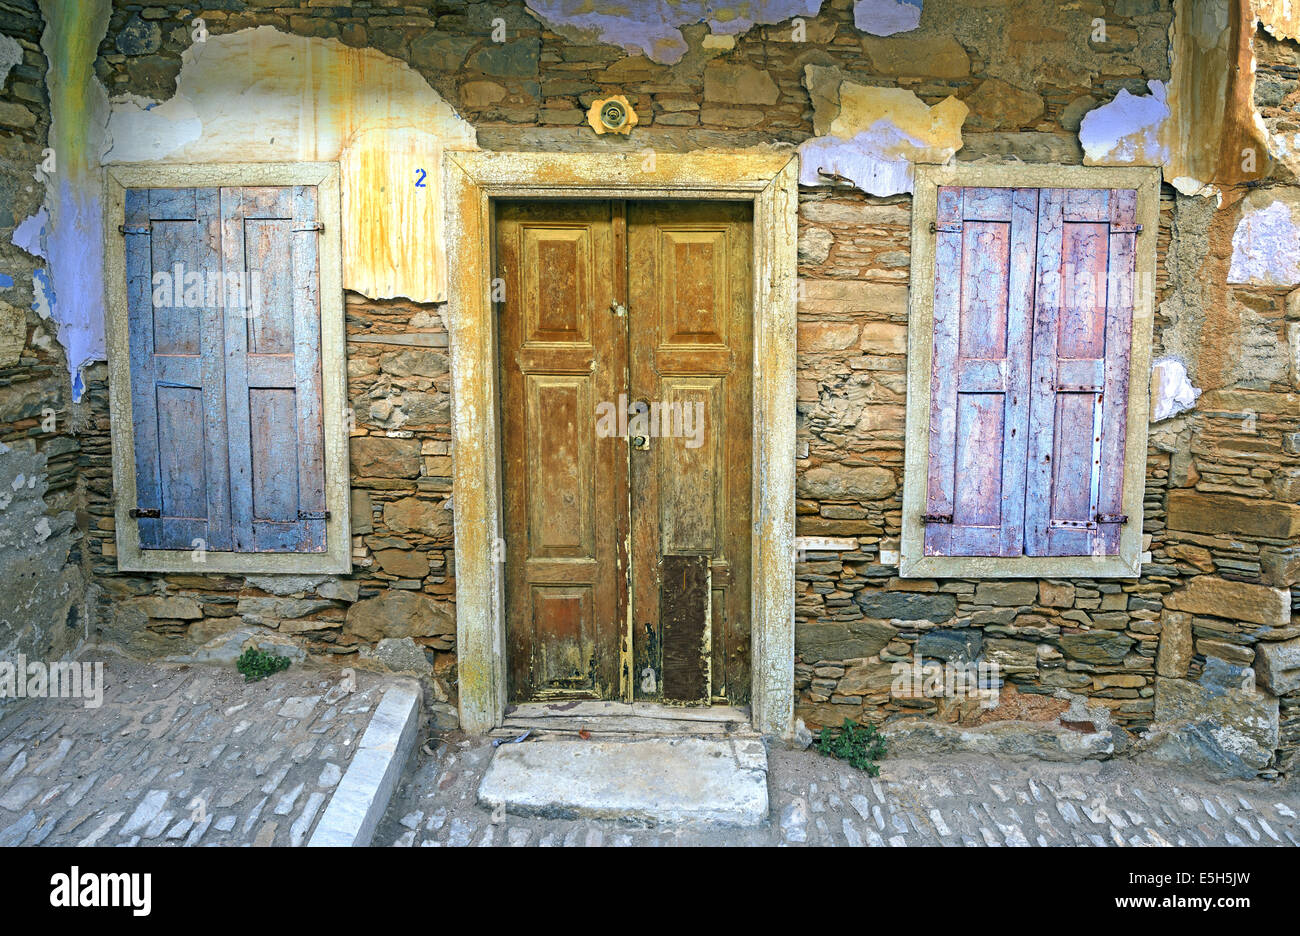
<point>625,350</point>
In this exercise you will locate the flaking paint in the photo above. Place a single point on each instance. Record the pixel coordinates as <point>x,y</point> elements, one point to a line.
<point>875,136</point>
<point>653,27</point>
<point>73,235</point>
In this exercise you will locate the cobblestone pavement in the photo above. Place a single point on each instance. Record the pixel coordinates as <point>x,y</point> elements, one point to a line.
<point>947,800</point>
<point>180,755</point>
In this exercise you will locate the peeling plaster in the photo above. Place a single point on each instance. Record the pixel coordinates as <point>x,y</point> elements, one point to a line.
<point>1128,130</point>
<point>30,235</point>
<point>886,17</point>
<point>1171,391</point>
<point>74,241</point>
<point>259,95</point>
<point>1279,17</point>
<point>1266,247</point>
<point>653,27</point>
<point>875,136</point>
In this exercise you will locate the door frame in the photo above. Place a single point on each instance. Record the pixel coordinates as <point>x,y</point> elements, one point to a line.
<point>769,181</point>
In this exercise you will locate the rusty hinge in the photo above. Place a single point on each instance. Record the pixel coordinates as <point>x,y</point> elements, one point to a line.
<point>1111,518</point>
<point>145,513</point>
<point>313,515</point>
<point>1135,229</point>
<point>311,226</point>
<point>1074,524</point>
<point>134,229</point>
<point>936,518</point>
<point>944,228</point>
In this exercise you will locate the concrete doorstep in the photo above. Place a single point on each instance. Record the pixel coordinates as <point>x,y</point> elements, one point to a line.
<point>704,781</point>
<point>358,804</point>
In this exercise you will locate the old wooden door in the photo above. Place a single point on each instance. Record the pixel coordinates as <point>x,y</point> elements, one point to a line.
<point>624,341</point>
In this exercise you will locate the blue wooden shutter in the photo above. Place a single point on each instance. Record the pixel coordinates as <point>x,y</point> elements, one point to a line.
<point>177,392</point>
<point>979,400</point>
<point>1082,331</point>
<point>273,374</point>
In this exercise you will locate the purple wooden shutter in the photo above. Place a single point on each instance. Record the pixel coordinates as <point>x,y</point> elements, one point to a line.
<point>177,393</point>
<point>979,390</point>
<point>273,370</point>
<point>1079,406</point>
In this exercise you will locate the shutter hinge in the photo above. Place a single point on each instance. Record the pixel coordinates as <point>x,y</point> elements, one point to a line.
<point>134,229</point>
<point>145,513</point>
<point>1111,518</point>
<point>1135,229</point>
<point>311,226</point>
<point>944,228</point>
<point>936,518</point>
<point>313,515</point>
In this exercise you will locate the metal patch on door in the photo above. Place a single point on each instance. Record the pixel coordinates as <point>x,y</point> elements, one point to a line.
<point>685,614</point>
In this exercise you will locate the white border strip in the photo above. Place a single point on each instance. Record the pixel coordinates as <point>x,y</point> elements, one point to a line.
<point>362,795</point>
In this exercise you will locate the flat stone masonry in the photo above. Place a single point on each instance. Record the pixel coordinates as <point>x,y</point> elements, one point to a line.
<point>678,780</point>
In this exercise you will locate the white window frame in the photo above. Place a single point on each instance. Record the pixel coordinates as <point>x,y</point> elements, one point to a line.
<point>337,557</point>
<point>920,355</point>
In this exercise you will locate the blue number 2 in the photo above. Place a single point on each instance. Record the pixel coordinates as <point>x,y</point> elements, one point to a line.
<point>419,178</point>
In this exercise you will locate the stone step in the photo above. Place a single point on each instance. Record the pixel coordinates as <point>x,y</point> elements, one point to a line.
<point>661,781</point>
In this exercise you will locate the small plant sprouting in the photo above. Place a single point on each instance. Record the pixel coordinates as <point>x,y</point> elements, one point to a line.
<point>256,664</point>
<point>860,745</point>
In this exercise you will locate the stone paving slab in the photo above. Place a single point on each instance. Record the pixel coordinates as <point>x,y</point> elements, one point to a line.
<point>706,781</point>
<point>949,800</point>
<point>181,755</point>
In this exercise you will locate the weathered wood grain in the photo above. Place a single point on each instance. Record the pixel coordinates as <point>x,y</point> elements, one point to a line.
<point>979,401</point>
<point>690,316</point>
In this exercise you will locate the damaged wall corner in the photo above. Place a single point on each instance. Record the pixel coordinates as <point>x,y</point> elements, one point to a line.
<point>1202,128</point>
<point>261,95</point>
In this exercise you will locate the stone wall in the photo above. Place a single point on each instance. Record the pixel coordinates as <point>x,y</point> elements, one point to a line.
<point>42,601</point>
<point>1223,479</point>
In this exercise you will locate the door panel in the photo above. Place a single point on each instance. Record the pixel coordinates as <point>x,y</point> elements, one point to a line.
<point>562,352</point>
<point>689,308</point>
<point>627,565</point>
